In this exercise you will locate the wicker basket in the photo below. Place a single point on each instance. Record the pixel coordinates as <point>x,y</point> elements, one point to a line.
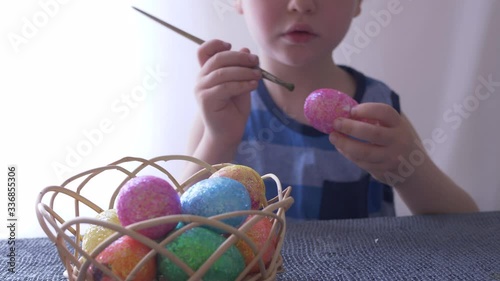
<point>65,228</point>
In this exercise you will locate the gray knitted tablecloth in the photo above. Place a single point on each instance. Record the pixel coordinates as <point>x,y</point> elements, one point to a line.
<point>452,247</point>
<point>443,247</point>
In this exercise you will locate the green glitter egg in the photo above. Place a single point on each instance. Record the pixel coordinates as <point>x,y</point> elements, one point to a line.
<point>194,247</point>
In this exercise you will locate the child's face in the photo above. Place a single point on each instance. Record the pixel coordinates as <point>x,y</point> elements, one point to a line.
<point>298,32</point>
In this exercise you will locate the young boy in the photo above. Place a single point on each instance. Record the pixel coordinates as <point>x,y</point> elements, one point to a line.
<point>347,174</point>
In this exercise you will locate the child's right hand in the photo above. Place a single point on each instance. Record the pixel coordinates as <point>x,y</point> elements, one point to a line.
<point>225,80</point>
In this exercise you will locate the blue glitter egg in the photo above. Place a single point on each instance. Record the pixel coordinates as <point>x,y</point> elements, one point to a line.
<point>215,196</point>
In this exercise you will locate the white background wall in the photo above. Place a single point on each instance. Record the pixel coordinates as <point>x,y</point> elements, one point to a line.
<point>78,90</point>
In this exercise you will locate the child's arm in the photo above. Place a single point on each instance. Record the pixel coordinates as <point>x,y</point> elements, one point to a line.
<point>203,147</point>
<point>222,90</point>
<point>393,154</point>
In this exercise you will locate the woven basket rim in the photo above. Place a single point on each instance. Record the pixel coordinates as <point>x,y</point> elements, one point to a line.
<point>67,236</point>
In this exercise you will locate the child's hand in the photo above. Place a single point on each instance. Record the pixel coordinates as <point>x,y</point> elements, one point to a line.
<point>388,137</point>
<point>222,90</point>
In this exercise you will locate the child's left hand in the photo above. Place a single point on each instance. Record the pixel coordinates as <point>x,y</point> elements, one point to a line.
<point>388,137</point>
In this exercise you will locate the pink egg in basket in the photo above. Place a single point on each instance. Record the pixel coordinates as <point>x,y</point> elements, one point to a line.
<point>148,197</point>
<point>323,106</point>
<point>121,257</point>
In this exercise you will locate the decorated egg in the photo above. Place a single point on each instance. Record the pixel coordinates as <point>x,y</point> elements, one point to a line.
<point>215,196</point>
<point>259,233</point>
<point>95,234</point>
<point>250,179</point>
<point>121,257</point>
<point>323,106</point>
<point>147,197</point>
<point>194,247</point>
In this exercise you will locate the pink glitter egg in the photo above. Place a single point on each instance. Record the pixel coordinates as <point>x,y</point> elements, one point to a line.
<point>148,197</point>
<point>323,106</point>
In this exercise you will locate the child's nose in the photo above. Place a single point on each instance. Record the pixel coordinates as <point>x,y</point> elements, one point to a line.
<point>302,6</point>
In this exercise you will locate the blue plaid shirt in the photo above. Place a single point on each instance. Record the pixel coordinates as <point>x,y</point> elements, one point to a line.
<point>325,185</point>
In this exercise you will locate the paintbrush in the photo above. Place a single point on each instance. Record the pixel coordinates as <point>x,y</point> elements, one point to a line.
<point>199,41</point>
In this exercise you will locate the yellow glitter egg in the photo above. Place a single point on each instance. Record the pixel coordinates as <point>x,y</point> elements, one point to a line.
<point>95,234</point>
<point>250,179</point>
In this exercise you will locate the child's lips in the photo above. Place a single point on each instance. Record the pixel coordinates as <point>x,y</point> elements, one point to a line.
<point>299,33</point>
<point>299,36</point>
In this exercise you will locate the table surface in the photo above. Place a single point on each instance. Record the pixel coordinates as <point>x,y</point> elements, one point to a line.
<point>433,247</point>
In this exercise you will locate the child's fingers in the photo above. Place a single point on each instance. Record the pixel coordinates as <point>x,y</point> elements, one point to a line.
<point>227,91</point>
<point>225,59</point>
<point>223,76</point>
<point>361,130</point>
<point>210,48</point>
<point>218,97</point>
<point>357,151</point>
<point>385,114</point>
<point>233,73</point>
